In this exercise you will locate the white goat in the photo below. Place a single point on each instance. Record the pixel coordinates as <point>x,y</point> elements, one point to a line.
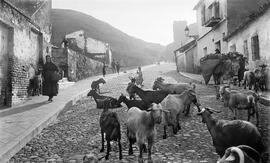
<point>176,104</point>
<point>240,154</point>
<point>141,128</point>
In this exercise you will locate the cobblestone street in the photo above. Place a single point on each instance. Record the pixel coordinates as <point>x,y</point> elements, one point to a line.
<point>76,132</point>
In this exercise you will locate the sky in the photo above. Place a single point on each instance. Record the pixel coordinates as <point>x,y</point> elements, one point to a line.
<point>149,20</point>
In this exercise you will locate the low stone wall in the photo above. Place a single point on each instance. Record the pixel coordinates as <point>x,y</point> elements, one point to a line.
<point>75,65</point>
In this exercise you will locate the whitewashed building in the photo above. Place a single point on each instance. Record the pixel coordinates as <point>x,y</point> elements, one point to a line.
<point>252,38</point>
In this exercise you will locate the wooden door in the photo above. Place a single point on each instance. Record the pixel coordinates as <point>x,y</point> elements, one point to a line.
<point>4,39</point>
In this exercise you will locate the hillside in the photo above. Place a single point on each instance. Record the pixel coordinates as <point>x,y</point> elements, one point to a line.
<point>129,50</point>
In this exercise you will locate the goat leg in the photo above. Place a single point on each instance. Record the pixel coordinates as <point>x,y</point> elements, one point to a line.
<point>130,150</point>
<point>120,149</point>
<point>164,132</point>
<point>187,109</point>
<point>150,142</point>
<point>108,149</point>
<point>140,159</point>
<point>257,117</point>
<point>102,141</point>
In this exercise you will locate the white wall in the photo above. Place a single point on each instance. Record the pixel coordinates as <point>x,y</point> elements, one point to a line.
<point>261,27</point>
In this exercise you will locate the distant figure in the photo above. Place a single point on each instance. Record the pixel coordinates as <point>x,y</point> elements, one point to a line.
<point>104,69</point>
<point>31,75</point>
<point>113,66</point>
<point>50,84</point>
<point>117,67</point>
<point>139,79</point>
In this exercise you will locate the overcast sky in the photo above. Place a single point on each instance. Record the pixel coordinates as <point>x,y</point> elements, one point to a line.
<point>150,20</point>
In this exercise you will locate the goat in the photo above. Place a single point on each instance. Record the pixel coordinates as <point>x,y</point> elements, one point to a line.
<point>133,103</point>
<point>227,133</point>
<point>131,83</point>
<point>95,84</point>
<point>149,96</point>
<point>141,128</point>
<point>240,154</point>
<point>236,100</point>
<point>249,79</point>
<point>172,88</point>
<point>110,125</point>
<point>176,104</point>
<point>100,100</point>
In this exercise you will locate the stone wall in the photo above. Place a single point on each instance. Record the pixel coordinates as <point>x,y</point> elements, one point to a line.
<point>28,44</point>
<point>78,66</point>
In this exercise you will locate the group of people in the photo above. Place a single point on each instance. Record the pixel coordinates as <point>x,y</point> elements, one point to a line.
<point>114,65</point>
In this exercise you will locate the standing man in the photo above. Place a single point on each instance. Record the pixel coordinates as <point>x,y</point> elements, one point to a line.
<point>118,67</point>
<point>104,69</point>
<point>113,66</point>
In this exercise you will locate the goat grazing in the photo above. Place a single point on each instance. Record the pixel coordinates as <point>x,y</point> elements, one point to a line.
<point>227,133</point>
<point>176,104</point>
<point>110,125</point>
<point>172,88</point>
<point>133,103</point>
<point>141,128</point>
<point>100,100</point>
<point>95,84</point>
<point>240,154</point>
<point>149,96</point>
<point>239,101</point>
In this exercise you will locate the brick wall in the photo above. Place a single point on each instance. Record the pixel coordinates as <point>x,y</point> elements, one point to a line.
<point>27,44</point>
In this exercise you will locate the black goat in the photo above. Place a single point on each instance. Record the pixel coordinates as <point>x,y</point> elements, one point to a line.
<point>149,97</point>
<point>133,103</point>
<point>95,84</point>
<point>110,125</point>
<point>100,100</point>
<point>227,133</point>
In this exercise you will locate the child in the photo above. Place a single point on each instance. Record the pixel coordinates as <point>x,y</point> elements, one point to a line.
<point>131,95</point>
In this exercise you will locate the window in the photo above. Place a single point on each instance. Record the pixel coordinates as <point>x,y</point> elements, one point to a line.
<point>218,46</point>
<point>233,48</point>
<point>203,14</point>
<point>205,51</point>
<point>245,49</point>
<point>255,48</point>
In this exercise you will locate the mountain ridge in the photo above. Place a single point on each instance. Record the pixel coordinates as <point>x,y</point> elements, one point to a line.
<point>128,49</point>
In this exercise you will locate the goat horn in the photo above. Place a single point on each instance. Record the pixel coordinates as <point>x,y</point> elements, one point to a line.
<point>213,110</point>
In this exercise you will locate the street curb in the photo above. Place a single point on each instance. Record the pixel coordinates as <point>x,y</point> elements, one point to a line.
<point>263,100</point>
<point>20,141</point>
<point>193,80</point>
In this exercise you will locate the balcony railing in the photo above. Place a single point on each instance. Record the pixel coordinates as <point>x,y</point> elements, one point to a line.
<point>212,15</point>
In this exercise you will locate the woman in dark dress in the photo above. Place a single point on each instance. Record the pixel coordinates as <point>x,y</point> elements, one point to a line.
<point>104,69</point>
<point>50,87</point>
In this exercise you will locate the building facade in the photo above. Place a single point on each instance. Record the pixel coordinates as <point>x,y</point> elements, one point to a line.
<point>252,38</point>
<point>25,33</point>
<point>186,57</point>
<point>217,18</point>
<point>90,47</point>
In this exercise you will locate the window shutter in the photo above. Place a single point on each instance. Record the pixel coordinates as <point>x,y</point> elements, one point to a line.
<point>203,15</point>
<point>253,48</point>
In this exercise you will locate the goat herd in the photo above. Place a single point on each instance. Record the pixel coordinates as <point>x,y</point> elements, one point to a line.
<point>234,140</point>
